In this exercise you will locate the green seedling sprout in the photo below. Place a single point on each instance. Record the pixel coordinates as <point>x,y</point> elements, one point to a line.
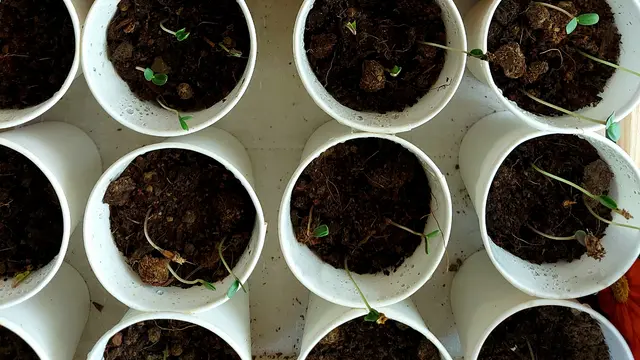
<point>582,19</point>
<point>426,237</point>
<point>233,289</point>
<point>20,277</point>
<point>612,127</point>
<point>578,235</point>
<point>604,62</point>
<point>586,239</point>
<point>609,221</point>
<point>182,119</point>
<point>206,284</point>
<point>603,199</point>
<point>231,52</point>
<point>475,53</point>
<point>173,256</point>
<point>394,71</point>
<point>373,315</point>
<point>321,231</point>
<point>180,35</point>
<point>351,26</point>
<point>149,75</point>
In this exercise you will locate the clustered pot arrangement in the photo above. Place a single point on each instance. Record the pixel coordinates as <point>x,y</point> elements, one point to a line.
<point>165,68</point>
<point>36,74</point>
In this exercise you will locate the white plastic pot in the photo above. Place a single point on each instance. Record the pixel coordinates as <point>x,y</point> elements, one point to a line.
<point>323,316</point>
<point>120,103</point>
<point>14,117</point>
<point>621,95</point>
<point>52,321</point>
<point>392,122</point>
<point>229,321</point>
<point>483,150</point>
<point>481,299</point>
<point>71,162</point>
<point>109,264</point>
<point>381,290</point>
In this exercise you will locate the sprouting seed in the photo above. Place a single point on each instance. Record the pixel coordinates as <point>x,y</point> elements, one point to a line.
<point>206,284</point>
<point>426,237</point>
<point>351,26</point>
<point>604,62</point>
<point>180,35</point>
<point>149,75</point>
<point>394,71</point>
<point>233,289</point>
<point>231,52</point>
<point>583,19</point>
<point>373,315</point>
<point>321,231</point>
<point>182,119</point>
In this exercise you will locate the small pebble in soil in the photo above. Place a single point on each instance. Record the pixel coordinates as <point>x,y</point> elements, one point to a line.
<point>510,58</point>
<point>372,79</point>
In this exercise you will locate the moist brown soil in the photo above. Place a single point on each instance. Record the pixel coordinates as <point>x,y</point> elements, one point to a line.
<point>135,39</point>
<point>555,71</point>
<point>554,333</point>
<point>167,340</point>
<point>193,202</point>
<point>521,196</point>
<point>12,347</point>
<point>358,340</point>
<point>37,46</point>
<point>353,188</point>
<point>352,67</point>
<point>31,223</point>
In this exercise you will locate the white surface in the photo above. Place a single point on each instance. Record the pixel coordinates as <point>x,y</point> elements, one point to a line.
<point>52,321</point>
<point>121,104</point>
<point>274,120</point>
<point>117,276</point>
<point>484,149</point>
<point>323,316</point>
<point>230,321</point>
<point>482,299</point>
<point>381,290</point>
<point>15,117</point>
<point>621,95</point>
<point>391,122</point>
<point>51,146</point>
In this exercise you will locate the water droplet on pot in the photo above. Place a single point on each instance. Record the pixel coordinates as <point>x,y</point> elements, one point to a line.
<point>160,292</point>
<point>130,111</point>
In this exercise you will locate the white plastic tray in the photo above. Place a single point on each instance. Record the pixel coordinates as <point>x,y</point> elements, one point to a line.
<point>274,120</point>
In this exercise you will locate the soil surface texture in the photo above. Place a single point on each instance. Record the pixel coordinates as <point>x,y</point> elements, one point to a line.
<point>358,340</point>
<point>167,340</point>
<point>550,333</point>
<point>354,188</point>
<point>193,203</point>
<point>200,71</point>
<point>31,224</point>
<point>12,347</point>
<point>521,197</point>
<point>37,47</point>
<point>537,55</point>
<point>356,68</point>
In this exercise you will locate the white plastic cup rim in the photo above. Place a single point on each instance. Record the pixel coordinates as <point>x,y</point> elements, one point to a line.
<point>33,112</point>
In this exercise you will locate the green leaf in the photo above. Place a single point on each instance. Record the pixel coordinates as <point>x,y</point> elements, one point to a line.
<point>372,316</point>
<point>572,25</point>
<point>321,231</point>
<point>352,27</point>
<point>148,74</point>
<point>613,130</point>
<point>588,19</point>
<point>160,79</point>
<point>235,53</point>
<point>208,285</point>
<point>432,234</point>
<point>182,34</point>
<point>608,202</point>
<point>395,71</point>
<point>183,121</point>
<point>233,289</point>
<point>477,53</point>
<point>20,277</point>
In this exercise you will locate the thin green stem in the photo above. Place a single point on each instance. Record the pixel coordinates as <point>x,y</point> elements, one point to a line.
<point>554,8</point>
<point>146,233</point>
<point>167,30</point>
<point>555,107</point>
<point>443,47</point>
<point>616,66</point>
<point>609,221</point>
<point>366,303</point>
<point>584,191</point>
<point>166,107</point>
<point>188,282</point>
<point>226,266</point>
<point>533,357</point>
<point>572,237</point>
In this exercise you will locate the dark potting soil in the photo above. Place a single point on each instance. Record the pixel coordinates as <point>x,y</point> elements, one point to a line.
<point>358,340</point>
<point>167,340</point>
<point>353,188</point>
<point>553,332</point>
<point>200,71</point>
<point>521,196</point>
<point>352,67</point>
<point>555,71</point>
<point>37,47</point>
<point>31,224</point>
<point>193,203</point>
<point>12,347</point>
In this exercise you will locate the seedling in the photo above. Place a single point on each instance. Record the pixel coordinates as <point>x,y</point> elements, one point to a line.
<point>180,35</point>
<point>321,231</point>
<point>351,26</point>
<point>231,52</point>
<point>583,19</point>
<point>206,284</point>
<point>612,127</point>
<point>233,289</point>
<point>609,221</point>
<point>603,199</point>
<point>149,75</point>
<point>394,71</point>
<point>586,239</point>
<point>373,315</point>
<point>476,53</point>
<point>173,256</point>
<point>182,119</point>
<point>20,277</point>
<point>426,237</point>
<point>604,62</point>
